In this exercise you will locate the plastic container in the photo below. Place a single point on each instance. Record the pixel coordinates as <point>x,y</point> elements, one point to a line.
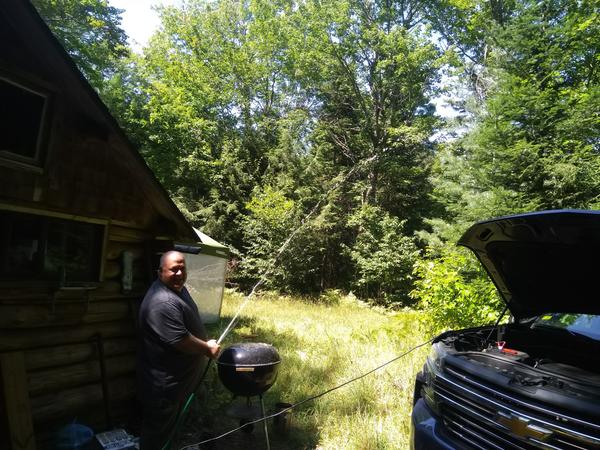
<point>74,436</point>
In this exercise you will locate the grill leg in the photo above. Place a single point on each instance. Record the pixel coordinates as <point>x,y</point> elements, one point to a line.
<point>262,408</point>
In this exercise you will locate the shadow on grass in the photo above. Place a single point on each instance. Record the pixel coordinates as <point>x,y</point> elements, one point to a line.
<point>298,379</point>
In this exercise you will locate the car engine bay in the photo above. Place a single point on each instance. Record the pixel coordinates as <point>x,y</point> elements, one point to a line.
<point>551,359</point>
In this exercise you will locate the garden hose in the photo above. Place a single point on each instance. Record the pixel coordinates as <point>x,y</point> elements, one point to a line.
<point>185,409</point>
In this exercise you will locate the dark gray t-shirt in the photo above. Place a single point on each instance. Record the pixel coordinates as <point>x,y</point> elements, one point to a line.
<point>166,317</point>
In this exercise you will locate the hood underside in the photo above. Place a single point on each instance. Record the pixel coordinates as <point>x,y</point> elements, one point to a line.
<point>542,262</point>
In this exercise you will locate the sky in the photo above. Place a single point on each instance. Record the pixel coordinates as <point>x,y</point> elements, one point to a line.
<point>139,19</point>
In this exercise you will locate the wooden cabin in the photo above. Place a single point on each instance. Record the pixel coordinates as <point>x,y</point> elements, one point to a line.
<point>82,220</point>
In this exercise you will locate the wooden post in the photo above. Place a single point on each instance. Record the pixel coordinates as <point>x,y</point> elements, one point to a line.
<point>16,397</point>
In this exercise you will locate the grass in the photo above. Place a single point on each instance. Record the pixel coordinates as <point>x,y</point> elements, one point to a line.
<point>323,346</point>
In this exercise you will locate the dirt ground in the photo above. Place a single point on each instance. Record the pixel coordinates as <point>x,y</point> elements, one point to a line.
<point>252,437</point>
<point>244,439</point>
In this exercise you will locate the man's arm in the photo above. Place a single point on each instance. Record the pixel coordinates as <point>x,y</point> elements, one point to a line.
<point>191,344</point>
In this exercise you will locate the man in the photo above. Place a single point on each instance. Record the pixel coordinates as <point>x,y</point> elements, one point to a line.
<point>172,350</point>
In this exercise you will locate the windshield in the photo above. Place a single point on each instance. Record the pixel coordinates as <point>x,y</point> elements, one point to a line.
<point>585,324</point>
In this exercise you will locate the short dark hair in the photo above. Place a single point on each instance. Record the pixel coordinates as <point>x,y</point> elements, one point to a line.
<point>165,255</point>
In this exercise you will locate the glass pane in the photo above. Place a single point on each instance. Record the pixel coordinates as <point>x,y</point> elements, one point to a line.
<point>585,324</point>
<point>72,251</point>
<point>20,119</point>
<point>40,248</point>
<point>20,252</point>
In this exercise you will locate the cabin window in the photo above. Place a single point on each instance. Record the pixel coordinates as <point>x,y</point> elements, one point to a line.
<point>35,247</point>
<point>22,117</point>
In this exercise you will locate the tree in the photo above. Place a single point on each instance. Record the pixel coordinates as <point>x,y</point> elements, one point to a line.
<point>383,255</point>
<point>455,291</point>
<point>533,143</point>
<point>372,70</point>
<point>90,32</point>
<point>539,134</point>
<point>243,94</point>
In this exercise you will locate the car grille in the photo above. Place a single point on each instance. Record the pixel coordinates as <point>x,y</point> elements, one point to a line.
<point>484,417</point>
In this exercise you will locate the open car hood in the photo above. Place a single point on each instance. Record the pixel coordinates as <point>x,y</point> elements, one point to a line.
<point>542,262</point>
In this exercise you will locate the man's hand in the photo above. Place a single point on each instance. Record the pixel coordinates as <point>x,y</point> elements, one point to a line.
<point>191,344</point>
<point>213,348</point>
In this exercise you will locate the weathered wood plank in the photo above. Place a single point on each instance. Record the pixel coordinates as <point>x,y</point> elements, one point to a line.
<point>113,288</point>
<point>122,234</point>
<point>97,295</point>
<point>16,397</point>
<point>60,314</point>
<point>32,316</point>
<point>65,403</point>
<point>47,293</point>
<point>59,215</point>
<point>58,378</point>
<point>114,250</point>
<point>107,311</point>
<point>13,340</point>
<point>30,292</point>
<point>73,353</point>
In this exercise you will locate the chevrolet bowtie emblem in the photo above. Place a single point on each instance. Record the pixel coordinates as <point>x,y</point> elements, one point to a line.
<point>522,427</point>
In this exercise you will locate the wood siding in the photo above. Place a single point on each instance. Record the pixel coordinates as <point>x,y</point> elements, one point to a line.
<point>87,170</point>
<point>52,337</point>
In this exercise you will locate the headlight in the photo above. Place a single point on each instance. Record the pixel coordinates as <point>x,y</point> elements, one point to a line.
<point>436,355</point>
<point>432,367</point>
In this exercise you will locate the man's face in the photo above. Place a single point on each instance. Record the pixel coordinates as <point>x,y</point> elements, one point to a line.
<point>173,273</point>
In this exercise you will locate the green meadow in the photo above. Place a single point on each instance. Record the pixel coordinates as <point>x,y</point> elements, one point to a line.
<point>323,344</point>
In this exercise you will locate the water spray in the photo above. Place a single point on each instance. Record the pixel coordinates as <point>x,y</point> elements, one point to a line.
<point>273,263</point>
<point>262,279</point>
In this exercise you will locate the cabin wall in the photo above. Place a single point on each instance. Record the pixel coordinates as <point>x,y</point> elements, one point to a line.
<point>84,165</point>
<point>82,169</point>
<point>49,347</point>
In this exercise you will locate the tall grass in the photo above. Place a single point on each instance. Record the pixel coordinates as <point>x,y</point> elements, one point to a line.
<point>323,346</point>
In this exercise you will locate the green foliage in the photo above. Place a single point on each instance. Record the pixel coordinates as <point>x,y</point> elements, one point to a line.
<point>331,297</point>
<point>532,141</point>
<point>271,216</point>
<point>455,291</point>
<point>303,265</point>
<point>251,113</point>
<point>371,68</point>
<point>231,97</point>
<point>533,144</point>
<point>383,255</point>
<point>90,31</point>
<point>537,137</point>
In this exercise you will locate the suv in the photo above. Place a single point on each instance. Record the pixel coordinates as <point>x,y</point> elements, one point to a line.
<point>534,382</point>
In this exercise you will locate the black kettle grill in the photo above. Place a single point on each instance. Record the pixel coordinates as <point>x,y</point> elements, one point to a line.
<point>248,370</point>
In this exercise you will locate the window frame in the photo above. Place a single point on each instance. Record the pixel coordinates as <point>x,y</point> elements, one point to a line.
<point>15,160</point>
<point>48,216</point>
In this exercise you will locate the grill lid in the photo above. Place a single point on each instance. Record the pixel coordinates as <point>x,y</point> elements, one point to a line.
<point>249,355</point>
